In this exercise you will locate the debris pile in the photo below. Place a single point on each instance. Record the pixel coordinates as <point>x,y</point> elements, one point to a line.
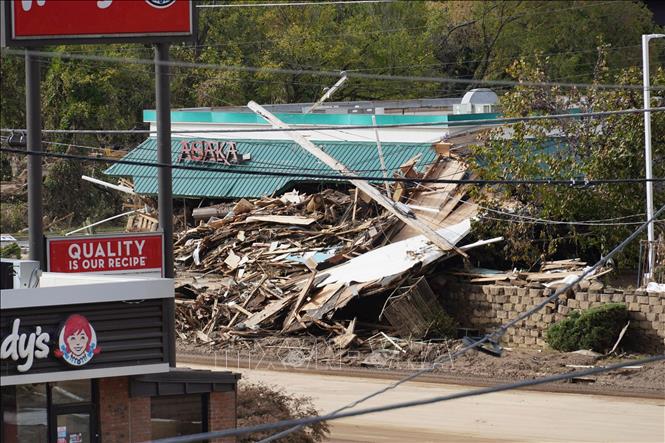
<point>288,264</point>
<point>267,255</point>
<point>551,275</point>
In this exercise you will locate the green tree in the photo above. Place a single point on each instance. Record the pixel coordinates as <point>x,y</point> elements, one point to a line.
<point>592,148</point>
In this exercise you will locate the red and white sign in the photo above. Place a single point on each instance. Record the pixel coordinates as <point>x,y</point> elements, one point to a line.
<point>107,254</point>
<point>96,20</point>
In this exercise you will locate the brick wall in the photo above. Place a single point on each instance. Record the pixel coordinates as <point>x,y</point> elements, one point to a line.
<point>487,306</point>
<point>121,418</point>
<point>222,413</point>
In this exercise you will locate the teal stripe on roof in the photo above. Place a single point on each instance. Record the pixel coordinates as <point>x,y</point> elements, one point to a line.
<point>279,155</point>
<point>311,119</point>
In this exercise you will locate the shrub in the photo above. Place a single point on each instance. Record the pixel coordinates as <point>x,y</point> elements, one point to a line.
<point>596,328</point>
<point>13,217</point>
<point>12,250</point>
<point>258,404</point>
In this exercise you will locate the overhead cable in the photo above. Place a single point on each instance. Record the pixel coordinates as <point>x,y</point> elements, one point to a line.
<point>456,123</point>
<point>263,5</point>
<point>362,75</point>
<point>339,177</point>
<point>493,337</point>
<point>407,404</point>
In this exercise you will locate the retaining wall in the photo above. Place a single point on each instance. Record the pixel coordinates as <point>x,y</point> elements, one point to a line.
<point>485,307</point>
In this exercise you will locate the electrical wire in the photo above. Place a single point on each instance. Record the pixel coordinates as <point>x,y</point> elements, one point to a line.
<point>407,404</point>
<point>446,124</point>
<point>318,3</point>
<point>236,68</point>
<point>493,337</point>
<point>339,177</point>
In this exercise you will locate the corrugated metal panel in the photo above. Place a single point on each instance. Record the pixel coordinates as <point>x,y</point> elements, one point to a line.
<point>276,155</point>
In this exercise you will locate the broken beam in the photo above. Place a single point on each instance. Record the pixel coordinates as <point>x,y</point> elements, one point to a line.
<point>363,185</point>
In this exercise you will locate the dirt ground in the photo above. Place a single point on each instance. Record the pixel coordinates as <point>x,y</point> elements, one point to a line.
<point>512,416</point>
<point>472,367</point>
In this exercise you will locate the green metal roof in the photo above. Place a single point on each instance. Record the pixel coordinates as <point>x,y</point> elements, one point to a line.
<point>266,155</point>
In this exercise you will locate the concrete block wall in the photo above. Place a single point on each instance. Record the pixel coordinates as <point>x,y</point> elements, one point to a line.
<point>485,307</point>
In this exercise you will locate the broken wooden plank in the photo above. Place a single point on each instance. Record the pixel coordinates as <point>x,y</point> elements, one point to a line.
<point>303,293</point>
<point>270,310</point>
<point>282,219</point>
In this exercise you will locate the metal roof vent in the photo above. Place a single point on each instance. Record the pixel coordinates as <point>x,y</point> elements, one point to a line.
<point>480,96</point>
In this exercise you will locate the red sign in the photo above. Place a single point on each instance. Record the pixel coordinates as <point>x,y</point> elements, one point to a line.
<point>107,254</point>
<point>53,21</point>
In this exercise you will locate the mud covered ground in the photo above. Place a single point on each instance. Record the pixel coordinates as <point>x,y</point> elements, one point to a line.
<point>313,353</point>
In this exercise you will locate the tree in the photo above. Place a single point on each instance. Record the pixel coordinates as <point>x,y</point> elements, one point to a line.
<point>592,148</point>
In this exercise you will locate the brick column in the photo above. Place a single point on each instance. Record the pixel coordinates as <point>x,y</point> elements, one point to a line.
<point>122,419</point>
<point>222,414</point>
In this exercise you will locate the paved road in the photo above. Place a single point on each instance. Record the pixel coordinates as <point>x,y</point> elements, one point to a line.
<point>502,417</point>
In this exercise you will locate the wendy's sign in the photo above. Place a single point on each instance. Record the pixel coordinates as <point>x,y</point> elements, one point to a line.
<point>106,254</point>
<point>77,342</point>
<point>45,22</point>
<point>216,151</point>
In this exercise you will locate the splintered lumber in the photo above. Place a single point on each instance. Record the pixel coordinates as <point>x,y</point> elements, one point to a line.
<point>282,219</point>
<point>268,312</point>
<point>247,299</point>
<point>387,203</point>
<point>294,311</point>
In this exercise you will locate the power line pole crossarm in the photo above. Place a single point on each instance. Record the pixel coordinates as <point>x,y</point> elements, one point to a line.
<point>363,185</point>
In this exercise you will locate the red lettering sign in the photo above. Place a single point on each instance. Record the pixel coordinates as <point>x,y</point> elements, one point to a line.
<point>107,254</point>
<point>54,21</point>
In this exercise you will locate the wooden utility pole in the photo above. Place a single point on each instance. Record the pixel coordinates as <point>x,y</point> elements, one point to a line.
<point>398,209</point>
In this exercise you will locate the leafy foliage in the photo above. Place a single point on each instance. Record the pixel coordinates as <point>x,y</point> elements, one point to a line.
<point>465,39</point>
<point>258,404</point>
<point>581,148</point>
<point>596,328</point>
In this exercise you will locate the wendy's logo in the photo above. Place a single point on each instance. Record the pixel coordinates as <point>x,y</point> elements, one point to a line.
<point>77,343</point>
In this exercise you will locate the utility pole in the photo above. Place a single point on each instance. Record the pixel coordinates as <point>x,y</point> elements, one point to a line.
<point>165,177</point>
<point>651,256</point>
<point>33,123</point>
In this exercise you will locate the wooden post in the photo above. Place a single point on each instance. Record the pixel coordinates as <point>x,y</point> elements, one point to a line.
<point>408,218</point>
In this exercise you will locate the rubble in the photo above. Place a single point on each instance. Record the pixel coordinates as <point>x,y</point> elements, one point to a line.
<point>286,265</point>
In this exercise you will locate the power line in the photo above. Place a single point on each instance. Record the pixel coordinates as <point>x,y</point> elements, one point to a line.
<point>536,220</point>
<point>51,54</point>
<point>495,337</point>
<point>407,404</point>
<point>444,124</point>
<point>262,5</point>
<point>339,177</point>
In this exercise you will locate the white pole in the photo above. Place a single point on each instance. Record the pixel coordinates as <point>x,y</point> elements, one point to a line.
<point>328,93</point>
<point>392,206</point>
<point>380,149</point>
<point>647,153</point>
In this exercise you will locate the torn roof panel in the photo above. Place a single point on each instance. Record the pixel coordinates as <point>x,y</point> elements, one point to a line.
<point>266,155</point>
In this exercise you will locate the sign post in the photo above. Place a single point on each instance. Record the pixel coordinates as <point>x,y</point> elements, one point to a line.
<point>33,124</point>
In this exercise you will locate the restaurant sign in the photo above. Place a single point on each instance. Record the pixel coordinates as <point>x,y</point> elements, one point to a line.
<point>107,254</point>
<point>77,343</point>
<point>85,331</point>
<point>215,151</point>
<point>45,22</point>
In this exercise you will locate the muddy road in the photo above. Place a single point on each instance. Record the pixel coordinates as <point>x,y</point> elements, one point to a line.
<point>516,416</point>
